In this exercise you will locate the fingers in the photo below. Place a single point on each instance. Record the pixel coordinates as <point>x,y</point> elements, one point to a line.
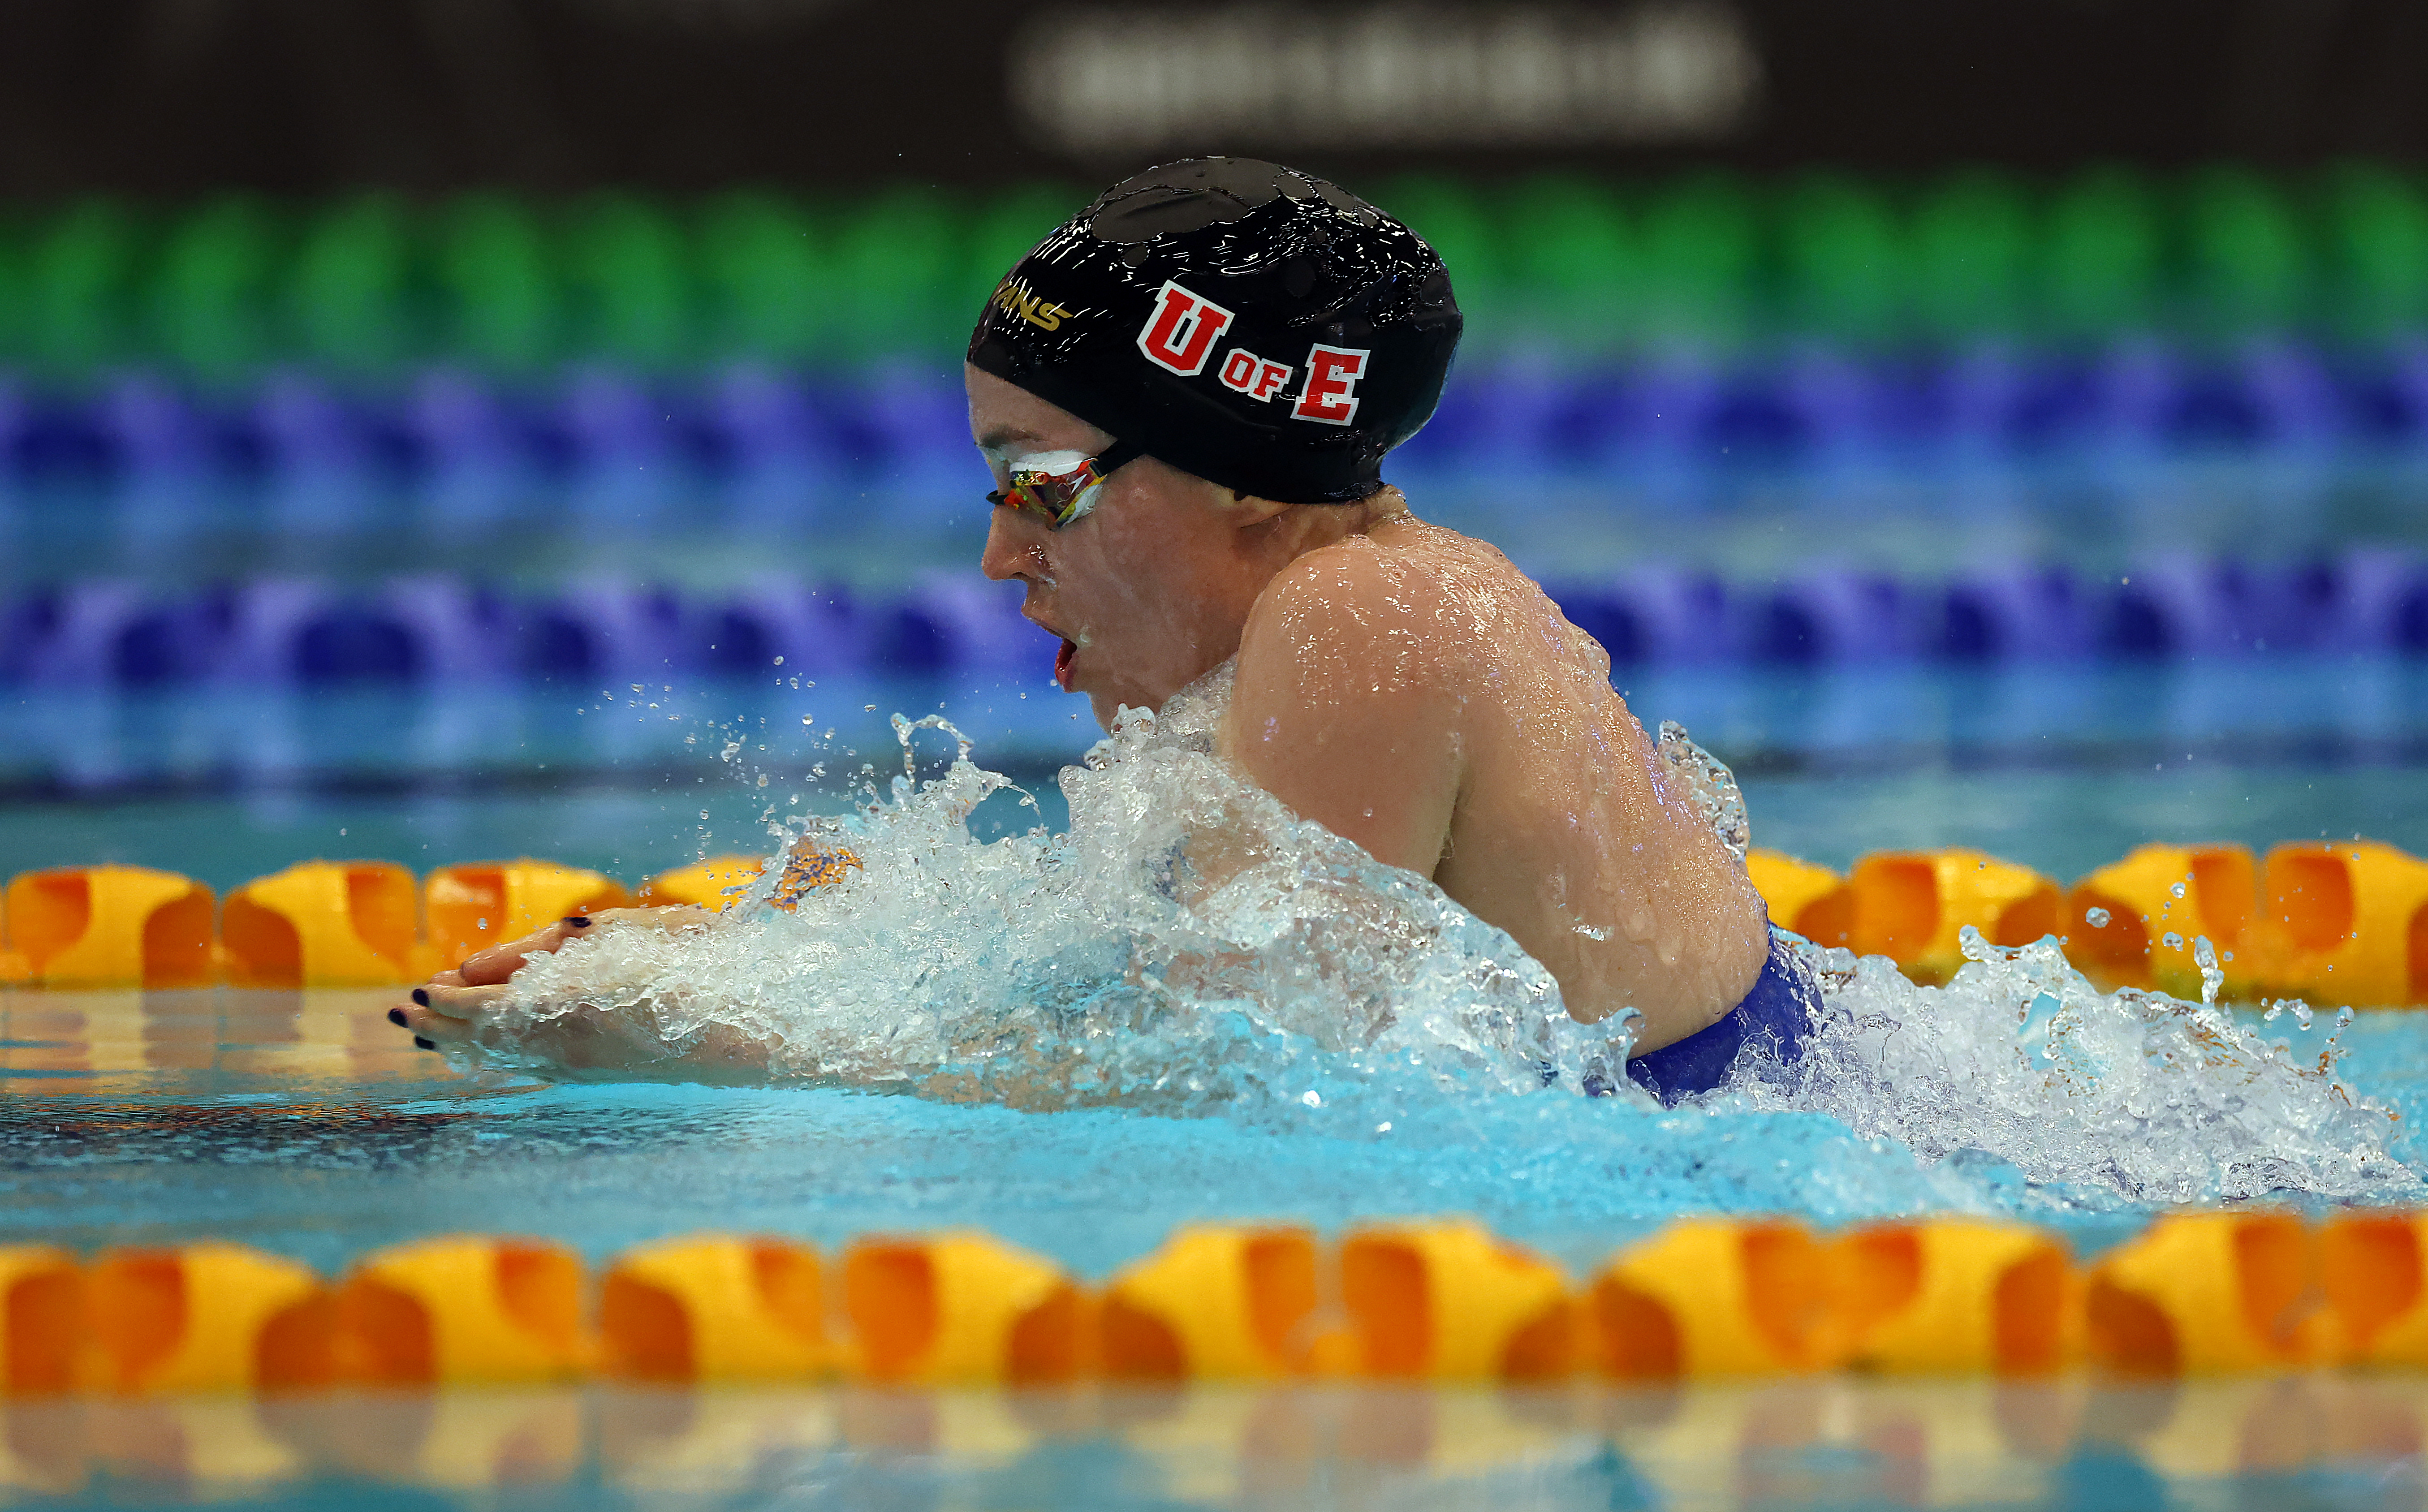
<point>444,1015</point>
<point>485,968</point>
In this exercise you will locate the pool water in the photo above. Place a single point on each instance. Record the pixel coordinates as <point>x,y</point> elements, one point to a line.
<point>307,1124</point>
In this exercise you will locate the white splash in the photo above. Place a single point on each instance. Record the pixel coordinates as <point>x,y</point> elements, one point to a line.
<point>1276,972</point>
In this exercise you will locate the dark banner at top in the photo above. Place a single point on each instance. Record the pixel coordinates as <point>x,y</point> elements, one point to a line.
<point>173,95</point>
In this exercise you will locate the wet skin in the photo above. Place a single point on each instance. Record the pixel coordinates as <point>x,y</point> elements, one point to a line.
<point>1401,684</point>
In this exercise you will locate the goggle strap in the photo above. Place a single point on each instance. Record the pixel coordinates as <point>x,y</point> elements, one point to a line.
<point>1111,458</point>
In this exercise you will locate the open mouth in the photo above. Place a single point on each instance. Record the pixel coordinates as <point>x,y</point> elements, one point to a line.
<point>1063,666</point>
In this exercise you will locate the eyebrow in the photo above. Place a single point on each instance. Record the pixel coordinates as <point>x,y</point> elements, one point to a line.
<point>1003,436</point>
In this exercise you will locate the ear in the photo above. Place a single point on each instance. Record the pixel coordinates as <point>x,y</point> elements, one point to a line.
<point>1247,511</point>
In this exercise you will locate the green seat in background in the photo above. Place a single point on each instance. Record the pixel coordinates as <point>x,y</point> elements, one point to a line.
<point>1841,261</point>
<point>765,292</point>
<point>2101,257</point>
<point>350,299</point>
<point>2248,267</point>
<point>213,294</point>
<point>77,308</point>
<point>1699,255</point>
<point>899,274</point>
<point>2373,223</point>
<point>1570,265</point>
<point>498,300</point>
<point>630,293</point>
<point>1971,247</point>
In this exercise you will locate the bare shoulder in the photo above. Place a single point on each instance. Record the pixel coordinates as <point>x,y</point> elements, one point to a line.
<point>1424,591</point>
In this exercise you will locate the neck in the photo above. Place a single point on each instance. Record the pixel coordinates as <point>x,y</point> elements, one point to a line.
<point>1305,528</point>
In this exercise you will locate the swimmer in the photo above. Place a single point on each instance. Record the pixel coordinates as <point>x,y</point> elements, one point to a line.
<point>1185,394</point>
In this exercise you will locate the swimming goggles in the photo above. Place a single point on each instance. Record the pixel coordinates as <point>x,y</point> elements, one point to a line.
<point>1059,486</point>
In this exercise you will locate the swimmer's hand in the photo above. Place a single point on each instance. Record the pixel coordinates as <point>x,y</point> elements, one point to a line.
<point>586,1042</point>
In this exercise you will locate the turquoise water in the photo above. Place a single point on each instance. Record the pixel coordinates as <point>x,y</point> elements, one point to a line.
<point>304,1124</point>
<point>2062,767</point>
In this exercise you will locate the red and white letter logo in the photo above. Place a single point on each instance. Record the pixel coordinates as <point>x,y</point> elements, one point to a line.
<point>1255,376</point>
<point>1181,330</point>
<point>1332,375</point>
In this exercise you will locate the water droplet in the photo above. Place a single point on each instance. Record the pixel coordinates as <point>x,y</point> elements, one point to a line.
<point>2176,891</point>
<point>1313,1098</point>
<point>780,661</point>
<point>2096,918</point>
<point>2171,941</point>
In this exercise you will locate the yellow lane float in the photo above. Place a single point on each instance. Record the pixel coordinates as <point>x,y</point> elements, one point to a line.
<point>2207,1294</point>
<point>2348,923</point>
<point>465,1309</point>
<point>960,1309</point>
<point>1449,1302</point>
<point>1953,1296</point>
<point>716,884</point>
<point>1216,1303</point>
<point>1803,897</point>
<point>41,1319</point>
<point>479,904</point>
<point>86,927</point>
<point>321,924</point>
<point>1711,1297</point>
<point>206,1316</point>
<point>714,1307</point>
<point>1911,906</point>
<point>2371,1273</point>
<point>2244,1292</point>
<point>2137,921</point>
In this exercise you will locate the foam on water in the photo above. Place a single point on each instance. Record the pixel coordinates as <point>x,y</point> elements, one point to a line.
<point>1189,946</point>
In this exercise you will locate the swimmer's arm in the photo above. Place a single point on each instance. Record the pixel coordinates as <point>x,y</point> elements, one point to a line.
<point>588,1043</point>
<point>1342,709</point>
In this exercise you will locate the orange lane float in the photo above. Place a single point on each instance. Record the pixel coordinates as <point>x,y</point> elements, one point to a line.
<point>1218,1302</point>
<point>714,1307</point>
<point>465,1309</point>
<point>206,1316</point>
<point>716,884</point>
<point>960,1309</point>
<point>2348,923</point>
<point>1446,1302</point>
<point>321,924</point>
<point>1803,897</point>
<point>2247,1292</point>
<point>2137,921</point>
<point>2207,1294</point>
<point>1714,1297</point>
<point>479,904</point>
<point>1954,1296</point>
<point>111,926</point>
<point>41,1319</point>
<point>2340,922</point>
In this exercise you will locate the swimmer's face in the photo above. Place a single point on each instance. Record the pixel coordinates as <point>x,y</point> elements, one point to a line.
<point>1149,588</point>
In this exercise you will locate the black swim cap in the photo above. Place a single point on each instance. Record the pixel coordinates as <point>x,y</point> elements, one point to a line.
<point>1246,323</point>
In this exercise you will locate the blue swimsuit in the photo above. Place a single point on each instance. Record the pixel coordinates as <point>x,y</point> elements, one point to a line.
<point>1780,1011</point>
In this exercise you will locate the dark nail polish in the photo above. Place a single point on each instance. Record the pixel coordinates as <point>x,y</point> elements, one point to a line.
<point>577,921</point>
<point>396,1017</point>
<point>420,1044</point>
<point>420,998</point>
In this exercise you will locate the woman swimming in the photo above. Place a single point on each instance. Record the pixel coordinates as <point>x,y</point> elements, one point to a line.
<point>1184,394</point>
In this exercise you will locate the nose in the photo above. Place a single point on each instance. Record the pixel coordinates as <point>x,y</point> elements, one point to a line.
<point>1015,546</point>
